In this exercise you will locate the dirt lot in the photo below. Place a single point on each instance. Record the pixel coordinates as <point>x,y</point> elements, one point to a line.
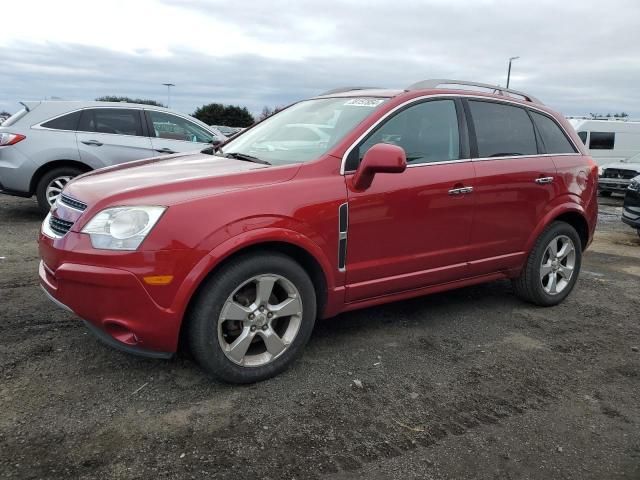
<point>466,384</point>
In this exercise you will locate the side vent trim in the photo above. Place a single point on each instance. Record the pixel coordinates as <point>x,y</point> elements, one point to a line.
<point>343,225</point>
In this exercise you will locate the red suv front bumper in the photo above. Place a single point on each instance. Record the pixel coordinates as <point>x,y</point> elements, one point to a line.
<point>107,290</point>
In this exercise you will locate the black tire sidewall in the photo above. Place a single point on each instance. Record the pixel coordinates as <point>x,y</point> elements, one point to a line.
<point>554,230</point>
<point>203,319</point>
<point>41,187</point>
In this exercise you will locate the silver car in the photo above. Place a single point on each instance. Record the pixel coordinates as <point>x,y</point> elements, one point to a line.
<point>47,143</point>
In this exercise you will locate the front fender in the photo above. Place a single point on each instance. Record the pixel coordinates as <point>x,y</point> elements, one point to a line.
<point>244,240</point>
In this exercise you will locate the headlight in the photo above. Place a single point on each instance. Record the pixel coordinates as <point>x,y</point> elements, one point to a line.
<point>600,171</point>
<point>122,228</point>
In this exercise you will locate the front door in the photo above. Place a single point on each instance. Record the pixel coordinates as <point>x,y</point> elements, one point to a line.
<point>411,230</point>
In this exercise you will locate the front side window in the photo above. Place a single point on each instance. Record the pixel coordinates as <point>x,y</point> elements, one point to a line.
<point>65,122</point>
<point>119,121</point>
<point>502,130</point>
<point>427,132</point>
<point>602,140</point>
<point>173,127</point>
<point>583,137</point>
<point>304,131</point>
<point>554,140</point>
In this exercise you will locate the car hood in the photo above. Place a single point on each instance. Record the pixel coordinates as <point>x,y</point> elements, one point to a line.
<point>624,166</point>
<point>172,179</point>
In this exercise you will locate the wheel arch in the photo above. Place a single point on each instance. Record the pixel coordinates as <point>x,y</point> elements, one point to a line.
<point>571,214</point>
<point>47,167</point>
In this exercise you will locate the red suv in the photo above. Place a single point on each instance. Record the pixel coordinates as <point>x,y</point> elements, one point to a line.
<point>351,199</point>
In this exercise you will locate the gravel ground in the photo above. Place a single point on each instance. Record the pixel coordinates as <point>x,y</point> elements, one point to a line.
<point>466,384</point>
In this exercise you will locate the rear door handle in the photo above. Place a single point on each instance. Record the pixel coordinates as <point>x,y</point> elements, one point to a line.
<point>544,180</point>
<point>164,150</point>
<point>460,191</point>
<point>92,142</point>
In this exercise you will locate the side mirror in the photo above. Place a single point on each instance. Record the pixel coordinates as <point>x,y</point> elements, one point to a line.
<point>381,158</point>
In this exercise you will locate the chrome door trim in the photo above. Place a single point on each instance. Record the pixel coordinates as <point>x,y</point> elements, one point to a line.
<point>452,97</point>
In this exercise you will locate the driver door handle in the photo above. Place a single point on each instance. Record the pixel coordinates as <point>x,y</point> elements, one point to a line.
<point>164,150</point>
<point>544,180</point>
<point>92,142</point>
<point>460,191</point>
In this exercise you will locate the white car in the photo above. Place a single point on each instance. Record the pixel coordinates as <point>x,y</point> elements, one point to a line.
<point>616,177</point>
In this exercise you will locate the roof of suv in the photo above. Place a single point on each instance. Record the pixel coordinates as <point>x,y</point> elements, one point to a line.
<point>436,84</point>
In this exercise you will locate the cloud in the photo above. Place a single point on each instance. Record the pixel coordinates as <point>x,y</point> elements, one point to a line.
<point>577,57</point>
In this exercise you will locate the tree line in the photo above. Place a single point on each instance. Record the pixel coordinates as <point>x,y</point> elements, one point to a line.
<point>211,113</point>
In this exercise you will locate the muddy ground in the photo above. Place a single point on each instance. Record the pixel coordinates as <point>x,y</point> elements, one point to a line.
<point>466,384</point>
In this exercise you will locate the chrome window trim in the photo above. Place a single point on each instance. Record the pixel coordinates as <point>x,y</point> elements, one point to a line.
<point>452,97</point>
<point>38,126</point>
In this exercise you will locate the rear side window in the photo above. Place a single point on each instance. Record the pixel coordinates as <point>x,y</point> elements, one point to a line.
<point>428,132</point>
<point>553,138</point>
<point>502,130</point>
<point>583,137</point>
<point>602,140</point>
<point>119,121</point>
<point>65,122</point>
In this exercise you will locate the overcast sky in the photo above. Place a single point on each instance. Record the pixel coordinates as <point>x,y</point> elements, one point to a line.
<point>578,56</point>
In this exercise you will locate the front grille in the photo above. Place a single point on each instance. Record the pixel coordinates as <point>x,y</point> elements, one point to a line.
<point>59,226</point>
<point>619,173</point>
<point>73,203</point>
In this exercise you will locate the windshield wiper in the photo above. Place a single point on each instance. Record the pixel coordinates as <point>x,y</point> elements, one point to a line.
<point>246,158</point>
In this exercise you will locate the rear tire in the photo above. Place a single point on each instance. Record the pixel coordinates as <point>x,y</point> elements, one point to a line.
<point>552,267</point>
<point>51,184</point>
<point>235,330</point>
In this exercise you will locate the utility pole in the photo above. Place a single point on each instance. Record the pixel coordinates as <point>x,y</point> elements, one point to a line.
<point>169,85</point>
<point>511,59</point>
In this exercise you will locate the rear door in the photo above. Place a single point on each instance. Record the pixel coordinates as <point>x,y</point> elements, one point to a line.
<point>108,136</point>
<point>411,230</point>
<point>514,184</point>
<point>172,133</point>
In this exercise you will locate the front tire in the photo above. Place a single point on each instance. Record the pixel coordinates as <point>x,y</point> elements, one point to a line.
<point>51,184</point>
<point>552,267</point>
<point>252,318</point>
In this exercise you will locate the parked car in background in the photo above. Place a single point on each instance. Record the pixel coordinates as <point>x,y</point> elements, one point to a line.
<point>608,140</point>
<point>414,191</point>
<point>631,207</point>
<point>228,131</point>
<point>48,143</point>
<point>616,177</point>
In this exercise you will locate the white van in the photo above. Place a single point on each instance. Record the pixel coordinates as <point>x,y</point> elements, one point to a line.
<point>614,144</point>
<point>608,141</point>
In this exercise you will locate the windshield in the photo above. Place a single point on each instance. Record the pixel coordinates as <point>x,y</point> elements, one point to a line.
<point>304,131</point>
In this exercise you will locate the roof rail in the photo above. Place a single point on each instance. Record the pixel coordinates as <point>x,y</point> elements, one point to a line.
<point>435,83</point>
<point>343,89</point>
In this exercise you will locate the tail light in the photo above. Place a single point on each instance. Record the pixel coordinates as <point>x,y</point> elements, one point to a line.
<point>10,139</point>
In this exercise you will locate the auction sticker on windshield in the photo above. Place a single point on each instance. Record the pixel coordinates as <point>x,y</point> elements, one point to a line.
<point>365,102</point>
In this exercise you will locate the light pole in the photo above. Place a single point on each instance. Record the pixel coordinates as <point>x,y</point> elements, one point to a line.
<point>511,59</point>
<point>169,85</point>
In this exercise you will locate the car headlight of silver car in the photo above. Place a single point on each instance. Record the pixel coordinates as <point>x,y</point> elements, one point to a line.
<point>600,171</point>
<point>122,228</point>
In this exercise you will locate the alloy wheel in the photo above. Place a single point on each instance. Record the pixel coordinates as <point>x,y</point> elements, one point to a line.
<point>260,320</point>
<point>54,189</point>
<point>558,264</point>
